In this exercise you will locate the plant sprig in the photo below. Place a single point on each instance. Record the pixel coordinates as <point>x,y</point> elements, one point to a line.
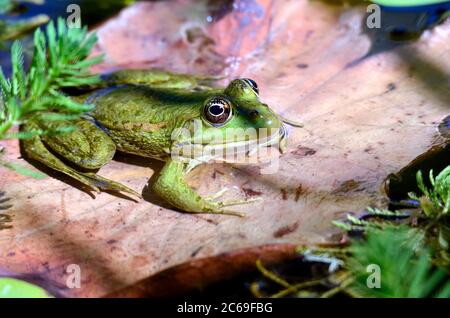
<point>435,202</point>
<point>404,270</point>
<point>60,60</point>
<point>412,261</point>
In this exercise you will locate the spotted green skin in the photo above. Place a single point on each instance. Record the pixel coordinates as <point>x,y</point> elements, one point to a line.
<point>137,112</point>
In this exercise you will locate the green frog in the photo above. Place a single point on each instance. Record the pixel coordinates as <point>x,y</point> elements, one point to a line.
<point>161,115</point>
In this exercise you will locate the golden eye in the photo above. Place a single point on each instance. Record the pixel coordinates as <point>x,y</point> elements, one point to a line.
<point>252,84</point>
<point>217,111</point>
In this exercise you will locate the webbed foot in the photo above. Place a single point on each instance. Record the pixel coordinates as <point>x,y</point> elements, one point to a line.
<point>173,188</point>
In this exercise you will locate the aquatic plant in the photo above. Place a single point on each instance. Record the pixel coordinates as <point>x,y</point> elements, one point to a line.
<point>431,237</point>
<point>435,217</point>
<point>371,218</point>
<point>435,201</point>
<point>412,260</point>
<point>60,60</point>
<point>404,263</point>
<point>401,259</point>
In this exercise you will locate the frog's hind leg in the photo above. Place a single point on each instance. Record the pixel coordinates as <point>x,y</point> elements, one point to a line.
<point>161,79</point>
<point>72,146</point>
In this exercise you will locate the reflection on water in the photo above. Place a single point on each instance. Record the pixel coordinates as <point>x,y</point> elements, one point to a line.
<point>92,13</point>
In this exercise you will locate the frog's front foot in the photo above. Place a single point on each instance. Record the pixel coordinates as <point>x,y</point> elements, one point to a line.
<point>211,199</point>
<point>219,205</point>
<point>216,207</point>
<point>173,188</point>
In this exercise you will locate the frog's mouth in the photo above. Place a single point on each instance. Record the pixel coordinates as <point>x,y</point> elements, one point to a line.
<point>232,151</point>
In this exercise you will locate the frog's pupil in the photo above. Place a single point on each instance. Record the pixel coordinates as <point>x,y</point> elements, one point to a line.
<point>216,110</point>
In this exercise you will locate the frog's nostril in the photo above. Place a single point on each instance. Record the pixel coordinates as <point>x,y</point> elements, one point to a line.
<point>253,114</point>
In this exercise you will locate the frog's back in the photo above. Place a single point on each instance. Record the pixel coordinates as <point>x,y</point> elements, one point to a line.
<point>140,119</point>
<point>143,104</point>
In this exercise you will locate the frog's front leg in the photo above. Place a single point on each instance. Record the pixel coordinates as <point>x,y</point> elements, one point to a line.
<point>172,187</point>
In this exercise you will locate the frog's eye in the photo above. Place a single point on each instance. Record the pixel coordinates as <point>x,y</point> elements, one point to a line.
<point>217,111</point>
<point>252,84</point>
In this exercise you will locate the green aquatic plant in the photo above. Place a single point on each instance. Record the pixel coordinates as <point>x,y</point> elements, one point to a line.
<point>66,66</point>
<point>409,256</point>
<point>60,60</point>
<point>411,261</point>
<point>435,201</point>
<point>435,217</point>
<point>405,265</point>
<point>397,257</point>
<point>375,218</point>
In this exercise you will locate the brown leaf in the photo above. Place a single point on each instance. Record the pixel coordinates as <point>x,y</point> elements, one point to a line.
<point>364,119</point>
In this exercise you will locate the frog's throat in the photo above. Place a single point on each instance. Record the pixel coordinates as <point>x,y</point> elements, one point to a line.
<point>208,152</point>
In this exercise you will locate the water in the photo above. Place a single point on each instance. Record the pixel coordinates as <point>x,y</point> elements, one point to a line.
<point>92,13</point>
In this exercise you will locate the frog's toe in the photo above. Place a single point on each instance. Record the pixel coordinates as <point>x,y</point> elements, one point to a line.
<point>216,195</point>
<point>229,202</point>
<point>239,202</point>
<point>233,213</point>
<point>214,206</point>
<point>217,209</point>
<point>108,185</point>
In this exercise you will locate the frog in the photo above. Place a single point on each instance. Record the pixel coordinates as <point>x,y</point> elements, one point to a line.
<point>151,113</point>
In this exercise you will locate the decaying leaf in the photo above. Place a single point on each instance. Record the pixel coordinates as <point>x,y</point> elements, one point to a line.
<point>364,118</point>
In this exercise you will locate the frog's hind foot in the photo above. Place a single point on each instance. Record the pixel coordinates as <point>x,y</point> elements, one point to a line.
<point>217,207</point>
<point>108,185</point>
<point>213,197</point>
<point>216,195</point>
